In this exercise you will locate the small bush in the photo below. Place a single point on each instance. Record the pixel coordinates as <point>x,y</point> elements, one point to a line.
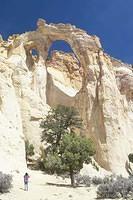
<point>97,180</point>
<point>85,180</point>
<point>29,148</point>
<point>39,165</point>
<point>94,164</point>
<point>5,182</point>
<point>130,157</point>
<point>115,188</point>
<point>108,179</point>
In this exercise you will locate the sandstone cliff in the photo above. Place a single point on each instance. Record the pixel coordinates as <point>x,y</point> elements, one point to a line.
<point>99,86</point>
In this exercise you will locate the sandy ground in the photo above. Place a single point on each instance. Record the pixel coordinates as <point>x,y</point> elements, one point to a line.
<point>47,187</point>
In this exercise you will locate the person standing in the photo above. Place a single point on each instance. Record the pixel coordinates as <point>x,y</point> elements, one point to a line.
<point>26,181</point>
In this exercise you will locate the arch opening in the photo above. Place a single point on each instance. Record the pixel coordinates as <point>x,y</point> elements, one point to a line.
<point>64,70</point>
<point>32,56</point>
<point>60,45</point>
<point>60,52</point>
<point>34,52</point>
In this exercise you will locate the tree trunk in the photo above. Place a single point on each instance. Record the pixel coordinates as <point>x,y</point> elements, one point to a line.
<point>58,139</point>
<point>72,177</point>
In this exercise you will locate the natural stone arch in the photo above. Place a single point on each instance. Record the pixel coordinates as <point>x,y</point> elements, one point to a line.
<point>83,45</point>
<point>80,42</point>
<point>101,89</point>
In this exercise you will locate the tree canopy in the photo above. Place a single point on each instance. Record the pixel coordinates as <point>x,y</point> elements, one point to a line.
<point>66,151</point>
<point>59,121</point>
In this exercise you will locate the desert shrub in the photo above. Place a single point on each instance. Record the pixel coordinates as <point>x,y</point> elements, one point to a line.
<point>83,179</point>
<point>115,188</point>
<point>94,164</point>
<point>29,149</point>
<point>130,157</point>
<point>97,180</point>
<point>40,160</point>
<point>5,182</point>
<point>108,179</point>
<point>87,180</point>
<point>39,165</point>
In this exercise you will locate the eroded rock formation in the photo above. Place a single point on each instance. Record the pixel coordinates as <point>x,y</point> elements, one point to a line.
<point>100,87</point>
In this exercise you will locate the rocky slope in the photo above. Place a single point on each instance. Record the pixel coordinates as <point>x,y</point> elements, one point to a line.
<point>99,86</point>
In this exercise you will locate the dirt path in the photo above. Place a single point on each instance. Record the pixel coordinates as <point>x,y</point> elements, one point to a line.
<point>46,187</point>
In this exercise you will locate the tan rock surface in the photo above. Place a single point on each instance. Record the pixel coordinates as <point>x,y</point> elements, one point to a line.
<point>100,87</point>
<point>12,151</point>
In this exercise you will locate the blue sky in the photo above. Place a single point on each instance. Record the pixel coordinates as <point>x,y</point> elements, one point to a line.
<point>111,20</point>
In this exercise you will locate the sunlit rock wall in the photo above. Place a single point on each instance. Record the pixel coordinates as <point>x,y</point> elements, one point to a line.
<point>100,87</point>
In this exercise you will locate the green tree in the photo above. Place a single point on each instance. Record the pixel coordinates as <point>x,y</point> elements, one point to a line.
<point>74,151</point>
<point>59,121</point>
<point>66,151</point>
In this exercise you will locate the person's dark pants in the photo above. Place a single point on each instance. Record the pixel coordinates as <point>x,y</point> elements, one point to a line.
<point>26,186</point>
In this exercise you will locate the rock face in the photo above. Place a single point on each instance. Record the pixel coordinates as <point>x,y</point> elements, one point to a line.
<point>12,152</point>
<point>100,87</point>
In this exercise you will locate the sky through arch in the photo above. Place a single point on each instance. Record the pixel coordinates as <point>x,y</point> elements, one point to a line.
<point>60,45</point>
